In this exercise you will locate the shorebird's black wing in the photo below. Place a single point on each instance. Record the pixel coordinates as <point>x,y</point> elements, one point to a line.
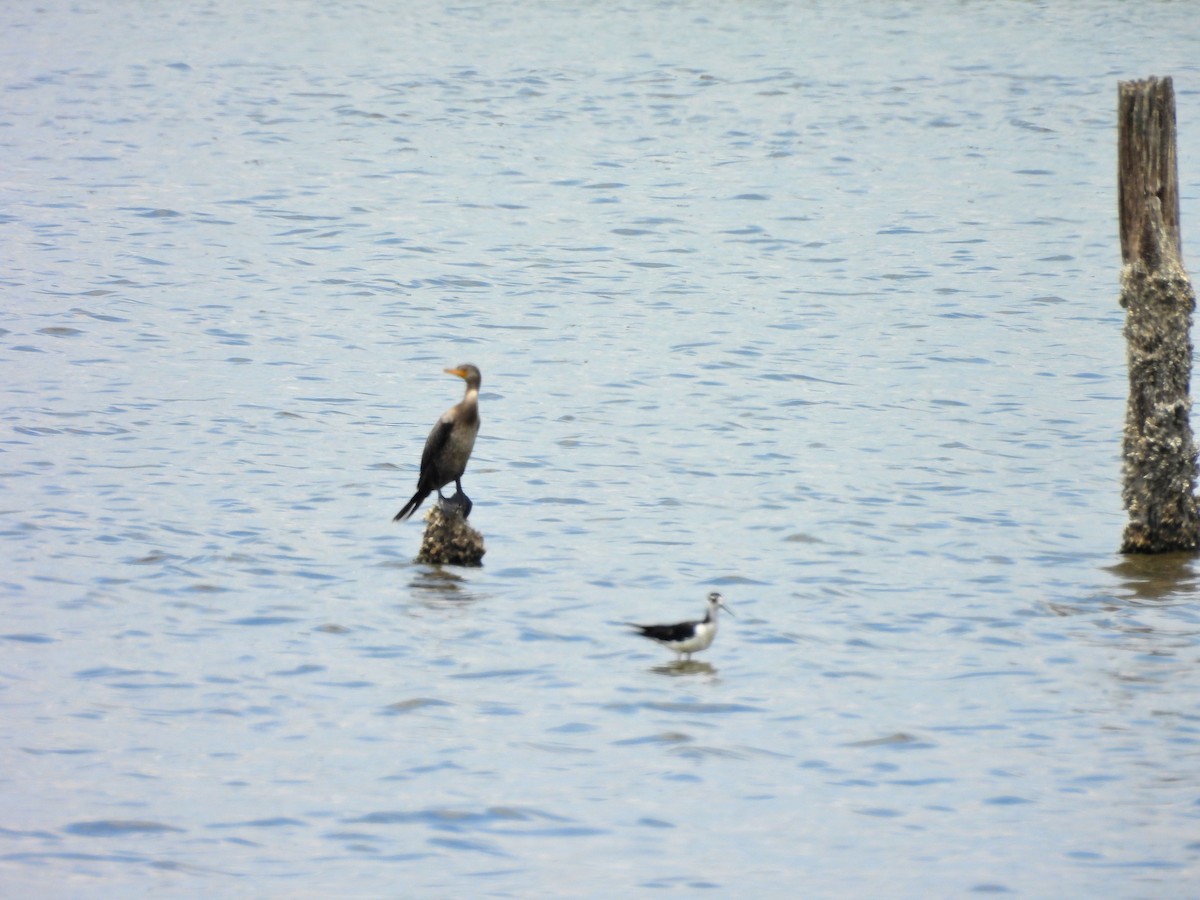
<point>680,632</point>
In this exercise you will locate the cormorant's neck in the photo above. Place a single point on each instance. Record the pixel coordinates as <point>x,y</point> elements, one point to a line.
<point>470,403</point>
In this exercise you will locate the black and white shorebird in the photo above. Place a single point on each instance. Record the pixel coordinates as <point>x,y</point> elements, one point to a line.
<point>448,447</point>
<point>686,638</point>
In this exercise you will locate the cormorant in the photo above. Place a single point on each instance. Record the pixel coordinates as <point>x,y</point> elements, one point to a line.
<point>448,446</point>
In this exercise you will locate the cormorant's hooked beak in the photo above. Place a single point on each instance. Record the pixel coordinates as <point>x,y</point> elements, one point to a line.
<point>461,373</point>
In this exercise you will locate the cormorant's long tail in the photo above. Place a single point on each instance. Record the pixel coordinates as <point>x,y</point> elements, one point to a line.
<point>412,505</point>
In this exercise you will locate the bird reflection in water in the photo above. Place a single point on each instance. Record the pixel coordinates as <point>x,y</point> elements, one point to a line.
<point>682,667</point>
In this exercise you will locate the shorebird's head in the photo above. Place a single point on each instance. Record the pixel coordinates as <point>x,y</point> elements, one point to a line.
<point>715,602</point>
<point>467,373</point>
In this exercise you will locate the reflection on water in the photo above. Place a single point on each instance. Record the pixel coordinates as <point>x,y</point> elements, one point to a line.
<point>685,667</point>
<point>1162,577</point>
<point>435,586</point>
<point>816,301</point>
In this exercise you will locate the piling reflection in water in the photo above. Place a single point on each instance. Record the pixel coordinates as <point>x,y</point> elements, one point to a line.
<point>436,586</point>
<point>1158,577</point>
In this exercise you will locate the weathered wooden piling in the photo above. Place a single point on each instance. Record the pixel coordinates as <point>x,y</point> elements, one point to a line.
<point>449,540</point>
<point>1159,448</point>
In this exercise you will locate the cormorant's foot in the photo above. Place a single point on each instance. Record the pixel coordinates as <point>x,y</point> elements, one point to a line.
<point>459,503</point>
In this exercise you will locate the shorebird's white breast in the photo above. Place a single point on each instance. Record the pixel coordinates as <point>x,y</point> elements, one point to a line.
<point>705,632</point>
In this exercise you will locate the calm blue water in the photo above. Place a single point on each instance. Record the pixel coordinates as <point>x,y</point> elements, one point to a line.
<point>809,303</point>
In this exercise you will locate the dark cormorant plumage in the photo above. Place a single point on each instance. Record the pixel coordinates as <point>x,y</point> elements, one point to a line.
<point>449,445</point>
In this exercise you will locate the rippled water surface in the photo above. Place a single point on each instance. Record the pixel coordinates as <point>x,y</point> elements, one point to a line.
<point>813,304</point>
